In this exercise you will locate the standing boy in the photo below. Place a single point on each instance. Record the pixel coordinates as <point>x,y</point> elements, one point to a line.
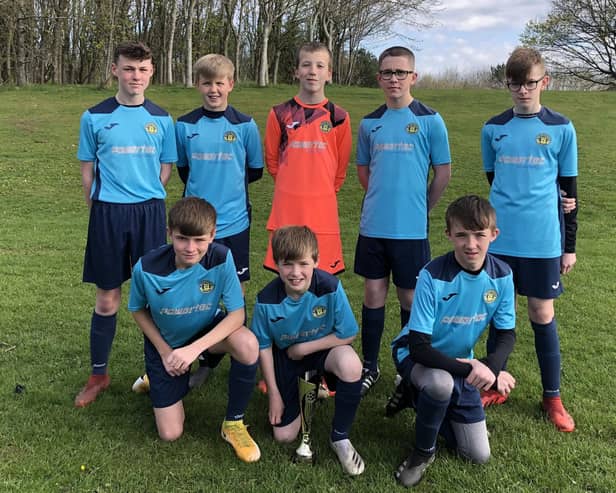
<point>126,148</point>
<point>307,151</point>
<point>304,322</point>
<point>219,153</point>
<point>176,297</point>
<point>530,153</point>
<point>398,145</point>
<point>457,295</point>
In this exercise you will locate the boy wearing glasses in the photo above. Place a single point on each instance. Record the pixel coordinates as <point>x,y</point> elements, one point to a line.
<point>397,146</point>
<point>529,154</point>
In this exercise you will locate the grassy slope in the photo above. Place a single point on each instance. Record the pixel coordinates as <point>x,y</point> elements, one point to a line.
<point>45,311</point>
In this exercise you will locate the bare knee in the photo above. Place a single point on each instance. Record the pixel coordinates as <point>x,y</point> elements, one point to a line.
<point>244,346</point>
<point>170,433</point>
<point>107,301</point>
<point>288,433</point>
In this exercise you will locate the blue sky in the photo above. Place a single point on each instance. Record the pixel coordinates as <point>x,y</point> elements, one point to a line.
<point>468,35</point>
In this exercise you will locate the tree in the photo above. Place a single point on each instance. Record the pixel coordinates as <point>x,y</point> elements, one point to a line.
<point>578,38</point>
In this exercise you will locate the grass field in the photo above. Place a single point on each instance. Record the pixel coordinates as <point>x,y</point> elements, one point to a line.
<point>45,312</point>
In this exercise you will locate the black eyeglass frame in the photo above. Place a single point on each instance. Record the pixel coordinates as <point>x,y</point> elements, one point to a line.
<point>400,74</point>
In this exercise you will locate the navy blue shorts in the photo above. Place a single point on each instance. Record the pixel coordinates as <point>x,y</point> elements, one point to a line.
<point>239,245</point>
<point>465,405</point>
<point>376,258</point>
<point>287,371</point>
<point>165,389</point>
<point>118,235</point>
<point>535,277</point>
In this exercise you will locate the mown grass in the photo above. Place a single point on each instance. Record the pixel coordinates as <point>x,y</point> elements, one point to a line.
<point>45,312</point>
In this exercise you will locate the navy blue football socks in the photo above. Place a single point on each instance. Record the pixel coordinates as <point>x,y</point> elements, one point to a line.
<point>547,347</point>
<point>346,404</point>
<point>372,327</point>
<point>102,332</point>
<point>241,384</point>
<point>430,416</point>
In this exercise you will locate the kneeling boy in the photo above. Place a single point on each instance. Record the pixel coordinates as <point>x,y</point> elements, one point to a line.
<point>175,298</point>
<point>457,296</point>
<point>304,322</point>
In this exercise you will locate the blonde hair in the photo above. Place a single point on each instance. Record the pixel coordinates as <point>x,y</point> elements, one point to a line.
<point>213,65</point>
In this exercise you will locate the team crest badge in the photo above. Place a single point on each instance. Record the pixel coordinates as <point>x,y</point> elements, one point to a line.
<point>319,311</point>
<point>206,286</point>
<point>151,128</point>
<point>325,127</point>
<point>229,137</point>
<point>412,128</point>
<point>490,296</point>
<point>543,139</point>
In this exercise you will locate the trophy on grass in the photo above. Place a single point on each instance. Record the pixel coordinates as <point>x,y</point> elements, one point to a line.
<point>307,400</point>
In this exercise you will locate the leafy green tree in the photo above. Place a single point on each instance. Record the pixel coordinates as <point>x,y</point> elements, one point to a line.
<point>578,38</point>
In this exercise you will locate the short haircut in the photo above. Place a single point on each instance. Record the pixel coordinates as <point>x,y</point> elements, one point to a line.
<point>294,243</point>
<point>397,51</point>
<point>212,66</point>
<point>312,47</point>
<point>471,212</point>
<point>192,216</point>
<point>134,50</point>
<point>521,62</point>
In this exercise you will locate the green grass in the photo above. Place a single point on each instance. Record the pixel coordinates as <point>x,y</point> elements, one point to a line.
<point>45,312</point>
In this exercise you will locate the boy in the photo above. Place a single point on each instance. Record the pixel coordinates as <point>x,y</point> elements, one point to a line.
<point>307,151</point>
<point>126,148</point>
<point>304,322</point>
<point>219,153</point>
<point>457,295</point>
<point>175,298</point>
<point>397,146</point>
<point>529,153</point>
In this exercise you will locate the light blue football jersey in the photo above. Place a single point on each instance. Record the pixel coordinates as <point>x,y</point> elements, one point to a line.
<point>400,146</point>
<point>183,302</point>
<point>454,307</point>
<point>322,310</point>
<point>127,145</point>
<point>218,147</point>
<point>527,155</point>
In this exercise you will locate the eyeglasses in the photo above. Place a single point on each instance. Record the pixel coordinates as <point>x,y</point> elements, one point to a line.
<point>400,74</point>
<point>529,85</point>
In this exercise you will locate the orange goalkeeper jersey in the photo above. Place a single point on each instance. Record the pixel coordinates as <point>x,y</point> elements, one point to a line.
<point>307,152</point>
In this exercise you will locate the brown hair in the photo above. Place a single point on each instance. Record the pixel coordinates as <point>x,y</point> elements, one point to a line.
<point>294,243</point>
<point>192,216</point>
<point>472,212</point>
<point>134,50</point>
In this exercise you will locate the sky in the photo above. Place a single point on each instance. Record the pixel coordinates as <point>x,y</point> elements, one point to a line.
<point>468,35</point>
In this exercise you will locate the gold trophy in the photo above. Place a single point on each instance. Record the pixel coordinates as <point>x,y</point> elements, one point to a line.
<point>307,400</point>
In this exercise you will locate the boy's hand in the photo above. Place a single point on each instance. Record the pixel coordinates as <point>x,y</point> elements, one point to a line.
<point>567,261</point>
<point>568,203</point>
<point>178,361</point>
<point>276,407</point>
<point>505,382</point>
<point>480,377</point>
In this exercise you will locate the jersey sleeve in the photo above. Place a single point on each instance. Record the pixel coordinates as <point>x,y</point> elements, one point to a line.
<point>345,324</point>
<point>137,299</point>
<point>232,296</point>
<point>568,155</point>
<point>439,142</point>
<point>168,152</point>
<point>504,316</point>
<point>423,311</point>
<point>272,143</point>
<point>487,152</point>
<point>87,140</point>
<point>180,138</point>
<point>363,145</point>
<point>259,326</point>
<point>254,151</point>
<point>344,142</point>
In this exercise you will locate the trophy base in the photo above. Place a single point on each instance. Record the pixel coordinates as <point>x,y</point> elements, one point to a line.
<point>304,455</point>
